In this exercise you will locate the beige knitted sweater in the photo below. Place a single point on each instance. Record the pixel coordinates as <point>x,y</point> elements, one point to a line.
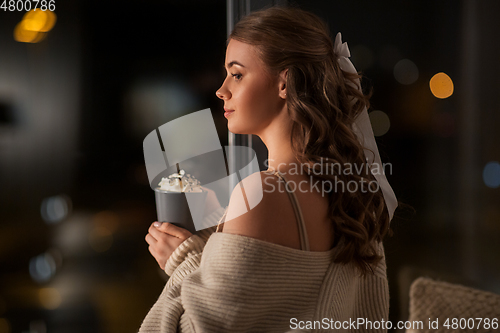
<point>234,283</point>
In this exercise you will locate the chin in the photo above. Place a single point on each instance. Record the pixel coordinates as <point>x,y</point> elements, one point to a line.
<point>238,132</point>
<point>238,129</point>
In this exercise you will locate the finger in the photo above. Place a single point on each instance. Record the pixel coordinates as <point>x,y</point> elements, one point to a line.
<point>152,250</point>
<point>158,234</point>
<point>150,239</point>
<point>154,253</point>
<point>153,227</point>
<point>173,230</point>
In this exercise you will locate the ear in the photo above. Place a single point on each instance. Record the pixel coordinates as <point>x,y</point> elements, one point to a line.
<point>282,83</point>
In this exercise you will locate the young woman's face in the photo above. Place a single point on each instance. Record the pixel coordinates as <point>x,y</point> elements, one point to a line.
<point>248,90</point>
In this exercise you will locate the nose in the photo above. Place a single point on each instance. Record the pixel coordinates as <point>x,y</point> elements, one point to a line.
<point>223,93</point>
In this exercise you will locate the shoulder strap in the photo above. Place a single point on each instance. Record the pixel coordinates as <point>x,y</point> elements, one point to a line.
<point>304,241</point>
<point>221,221</point>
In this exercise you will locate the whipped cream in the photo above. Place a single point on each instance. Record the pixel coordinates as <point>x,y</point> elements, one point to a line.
<point>173,183</point>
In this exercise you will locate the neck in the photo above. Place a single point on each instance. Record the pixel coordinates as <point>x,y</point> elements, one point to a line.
<point>276,137</point>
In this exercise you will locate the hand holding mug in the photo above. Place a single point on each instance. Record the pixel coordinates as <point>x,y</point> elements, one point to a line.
<point>163,238</point>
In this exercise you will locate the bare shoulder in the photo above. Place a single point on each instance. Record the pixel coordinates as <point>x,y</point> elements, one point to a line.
<point>256,210</point>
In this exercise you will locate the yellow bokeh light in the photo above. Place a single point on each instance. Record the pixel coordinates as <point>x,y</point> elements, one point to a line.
<point>441,85</point>
<point>50,298</point>
<point>34,26</point>
<point>34,21</point>
<point>41,21</point>
<point>23,35</point>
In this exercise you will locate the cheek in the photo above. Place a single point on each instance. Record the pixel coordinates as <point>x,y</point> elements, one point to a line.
<point>257,96</point>
<point>248,93</point>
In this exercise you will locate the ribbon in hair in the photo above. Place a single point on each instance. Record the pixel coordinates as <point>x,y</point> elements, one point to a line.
<point>363,129</point>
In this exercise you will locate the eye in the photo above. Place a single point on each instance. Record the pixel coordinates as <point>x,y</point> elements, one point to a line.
<point>237,76</point>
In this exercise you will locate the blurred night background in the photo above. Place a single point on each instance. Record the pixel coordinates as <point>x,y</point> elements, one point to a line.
<point>77,100</point>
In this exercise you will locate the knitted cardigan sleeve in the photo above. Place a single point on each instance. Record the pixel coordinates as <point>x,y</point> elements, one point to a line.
<point>188,253</point>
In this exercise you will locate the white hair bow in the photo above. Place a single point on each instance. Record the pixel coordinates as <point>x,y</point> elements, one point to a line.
<point>363,129</point>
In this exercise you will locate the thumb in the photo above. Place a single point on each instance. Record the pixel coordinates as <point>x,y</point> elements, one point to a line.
<point>173,230</point>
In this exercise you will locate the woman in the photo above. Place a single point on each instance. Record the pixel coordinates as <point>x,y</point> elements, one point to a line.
<point>312,258</point>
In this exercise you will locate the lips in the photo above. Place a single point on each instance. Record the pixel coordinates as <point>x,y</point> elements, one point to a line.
<point>228,112</point>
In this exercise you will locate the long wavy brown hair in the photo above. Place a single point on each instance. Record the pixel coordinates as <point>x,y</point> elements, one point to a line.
<point>323,102</point>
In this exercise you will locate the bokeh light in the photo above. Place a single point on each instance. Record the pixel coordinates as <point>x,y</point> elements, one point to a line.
<point>406,72</point>
<point>41,21</point>
<point>55,209</point>
<point>441,85</point>
<point>380,122</point>
<point>50,298</point>
<point>34,26</point>
<point>23,35</point>
<point>491,174</point>
<point>71,237</point>
<point>42,267</point>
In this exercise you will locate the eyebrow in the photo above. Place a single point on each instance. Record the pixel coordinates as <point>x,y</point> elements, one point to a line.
<point>234,62</point>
